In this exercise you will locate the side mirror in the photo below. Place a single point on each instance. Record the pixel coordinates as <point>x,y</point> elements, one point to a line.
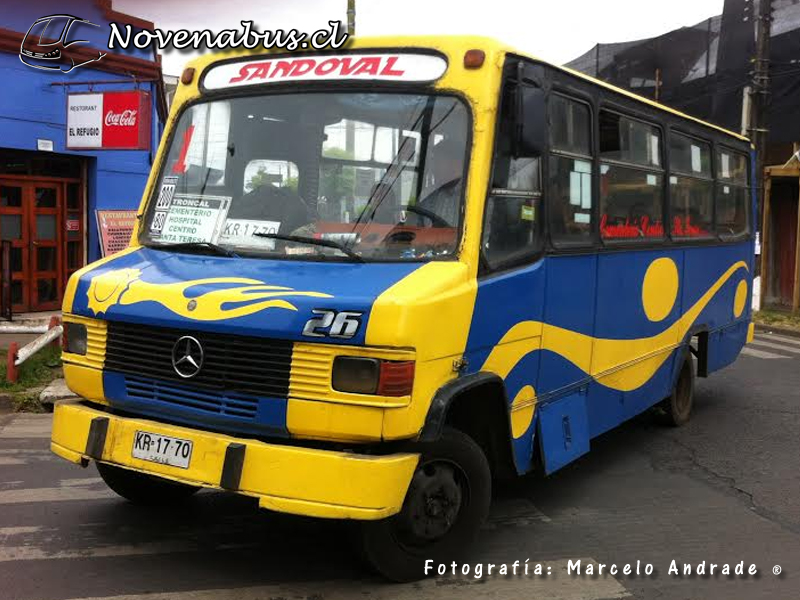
<point>530,118</point>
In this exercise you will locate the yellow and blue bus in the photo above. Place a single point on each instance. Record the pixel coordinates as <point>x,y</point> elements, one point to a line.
<point>366,283</point>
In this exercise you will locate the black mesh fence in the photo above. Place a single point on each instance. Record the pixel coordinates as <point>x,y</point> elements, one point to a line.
<point>703,70</point>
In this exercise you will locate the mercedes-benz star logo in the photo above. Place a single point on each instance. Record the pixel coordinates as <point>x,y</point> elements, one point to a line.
<point>187,357</point>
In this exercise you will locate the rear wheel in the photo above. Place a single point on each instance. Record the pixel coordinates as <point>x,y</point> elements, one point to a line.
<point>446,502</point>
<point>144,489</point>
<point>677,408</point>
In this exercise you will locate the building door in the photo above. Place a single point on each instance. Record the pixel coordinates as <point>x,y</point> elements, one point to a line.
<point>13,228</point>
<point>784,210</point>
<point>45,230</point>
<point>35,218</point>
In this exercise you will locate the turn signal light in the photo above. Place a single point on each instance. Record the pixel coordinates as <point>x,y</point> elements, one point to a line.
<point>187,76</point>
<point>396,378</point>
<point>473,59</point>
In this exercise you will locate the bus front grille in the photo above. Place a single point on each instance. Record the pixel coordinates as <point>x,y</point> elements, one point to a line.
<point>231,363</point>
<point>179,396</point>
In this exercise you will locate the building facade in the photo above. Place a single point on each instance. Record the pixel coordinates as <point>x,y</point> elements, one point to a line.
<point>79,128</point>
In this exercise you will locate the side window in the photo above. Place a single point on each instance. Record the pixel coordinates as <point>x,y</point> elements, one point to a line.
<point>732,196</point>
<point>691,187</point>
<point>511,219</point>
<point>569,191</point>
<point>631,179</point>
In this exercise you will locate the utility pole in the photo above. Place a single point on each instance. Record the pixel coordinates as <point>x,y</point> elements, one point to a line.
<point>351,17</point>
<point>759,94</point>
<point>350,130</point>
<point>348,202</point>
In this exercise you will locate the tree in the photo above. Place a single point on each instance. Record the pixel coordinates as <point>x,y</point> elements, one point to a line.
<point>263,177</point>
<point>257,180</point>
<point>337,181</point>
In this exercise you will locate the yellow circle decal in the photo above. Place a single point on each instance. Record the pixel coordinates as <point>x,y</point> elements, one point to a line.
<point>660,288</point>
<point>740,298</point>
<point>522,411</point>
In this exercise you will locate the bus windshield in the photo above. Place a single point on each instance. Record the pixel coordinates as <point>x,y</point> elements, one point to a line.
<point>372,176</point>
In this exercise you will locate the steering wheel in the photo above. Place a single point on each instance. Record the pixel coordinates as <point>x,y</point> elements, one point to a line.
<point>436,220</point>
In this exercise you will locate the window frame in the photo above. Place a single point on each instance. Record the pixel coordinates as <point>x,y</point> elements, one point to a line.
<point>590,241</point>
<point>747,187</point>
<point>712,146</point>
<point>509,77</point>
<point>599,97</point>
<point>661,126</point>
<point>612,108</point>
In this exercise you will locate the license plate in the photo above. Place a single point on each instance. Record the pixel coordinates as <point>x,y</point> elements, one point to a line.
<point>162,449</point>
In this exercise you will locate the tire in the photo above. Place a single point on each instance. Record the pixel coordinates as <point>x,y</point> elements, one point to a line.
<point>144,489</point>
<point>446,503</point>
<point>677,408</point>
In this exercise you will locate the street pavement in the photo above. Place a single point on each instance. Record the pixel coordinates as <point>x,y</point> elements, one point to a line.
<point>722,489</point>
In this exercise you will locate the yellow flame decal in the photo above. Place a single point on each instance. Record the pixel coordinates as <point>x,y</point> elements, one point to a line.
<point>124,287</point>
<point>623,365</point>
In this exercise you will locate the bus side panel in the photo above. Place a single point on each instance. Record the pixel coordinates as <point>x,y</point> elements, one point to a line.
<point>608,408</point>
<point>655,390</point>
<point>604,406</point>
<point>563,383</point>
<point>629,280</point>
<point>725,345</point>
<point>637,299</point>
<point>568,305</point>
<point>504,338</point>
<point>727,316</point>
<point>563,430</point>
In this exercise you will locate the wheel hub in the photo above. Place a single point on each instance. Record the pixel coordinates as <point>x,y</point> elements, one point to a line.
<point>433,502</point>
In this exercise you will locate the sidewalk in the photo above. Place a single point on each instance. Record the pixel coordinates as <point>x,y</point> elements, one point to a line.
<point>37,322</point>
<point>779,330</point>
<point>56,390</point>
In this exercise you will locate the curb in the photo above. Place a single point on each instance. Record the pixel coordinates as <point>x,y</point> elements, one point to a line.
<point>779,330</point>
<point>56,390</point>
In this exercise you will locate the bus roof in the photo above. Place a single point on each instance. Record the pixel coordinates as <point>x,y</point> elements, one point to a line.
<point>453,45</point>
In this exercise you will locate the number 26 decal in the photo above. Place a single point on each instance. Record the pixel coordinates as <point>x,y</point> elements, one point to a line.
<point>330,323</point>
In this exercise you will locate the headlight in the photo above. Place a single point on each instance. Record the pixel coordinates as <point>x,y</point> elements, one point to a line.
<point>355,375</point>
<point>372,376</point>
<point>73,339</point>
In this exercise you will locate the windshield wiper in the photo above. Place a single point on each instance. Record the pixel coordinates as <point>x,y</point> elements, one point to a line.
<point>209,247</point>
<point>312,241</point>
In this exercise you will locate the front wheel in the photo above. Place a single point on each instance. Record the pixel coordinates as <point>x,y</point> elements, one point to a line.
<point>144,489</point>
<point>446,503</point>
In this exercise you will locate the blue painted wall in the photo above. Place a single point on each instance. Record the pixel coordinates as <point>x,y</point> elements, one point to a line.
<point>31,108</point>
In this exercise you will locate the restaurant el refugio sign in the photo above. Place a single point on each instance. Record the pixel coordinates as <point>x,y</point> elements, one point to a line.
<point>108,121</point>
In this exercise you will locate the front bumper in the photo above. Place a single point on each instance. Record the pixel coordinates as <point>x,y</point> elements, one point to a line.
<point>305,481</point>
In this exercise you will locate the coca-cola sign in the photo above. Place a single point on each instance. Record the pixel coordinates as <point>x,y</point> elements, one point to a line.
<point>109,120</point>
<point>126,118</point>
